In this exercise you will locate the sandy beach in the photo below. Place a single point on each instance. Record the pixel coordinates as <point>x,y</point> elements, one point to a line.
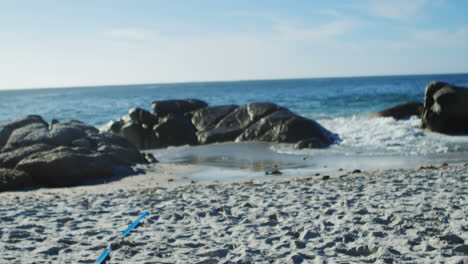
<point>384,216</point>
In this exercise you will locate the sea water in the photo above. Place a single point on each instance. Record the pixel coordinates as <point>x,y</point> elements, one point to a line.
<point>342,105</point>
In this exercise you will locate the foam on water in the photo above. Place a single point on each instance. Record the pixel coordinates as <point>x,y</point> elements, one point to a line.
<point>384,136</point>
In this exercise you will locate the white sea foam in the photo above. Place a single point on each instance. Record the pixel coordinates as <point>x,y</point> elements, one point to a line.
<point>383,136</point>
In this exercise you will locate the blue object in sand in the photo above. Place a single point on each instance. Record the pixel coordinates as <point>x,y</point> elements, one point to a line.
<point>103,256</point>
<point>106,252</point>
<point>124,233</point>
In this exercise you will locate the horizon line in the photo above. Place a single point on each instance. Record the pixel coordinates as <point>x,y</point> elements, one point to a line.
<point>227,81</point>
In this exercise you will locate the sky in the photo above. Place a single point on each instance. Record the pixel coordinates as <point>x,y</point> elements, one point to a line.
<point>60,43</point>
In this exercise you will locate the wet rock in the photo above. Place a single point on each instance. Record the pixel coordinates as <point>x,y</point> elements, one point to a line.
<point>401,111</point>
<point>445,109</point>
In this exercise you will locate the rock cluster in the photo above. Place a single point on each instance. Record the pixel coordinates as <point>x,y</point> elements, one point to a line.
<point>192,122</point>
<point>445,108</point>
<point>60,154</point>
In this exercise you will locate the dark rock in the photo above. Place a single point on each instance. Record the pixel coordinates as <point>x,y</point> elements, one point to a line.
<point>445,108</point>
<point>81,143</point>
<point>285,127</point>
<point>245,115</point>
<point>7,128</point>
<point>141,116</point>
<point>234,123</point>
<point>120,149</point>
<point>11,158</point>
<point>401,111</point>
<point>75,124</point>
<point>38,133</point>
<point>66,154</point>
<point>112,126</point>
<point>27,135</point>
<point>175,130</point>
<point>65,134</point>
<point>133,132</point>
<point>208,118</point>
<point>142,137</point>
<point>136,127</point>
<point>218,135</point>
<point>12,179</point>
<point>164,108</point>
<point>64,166</point>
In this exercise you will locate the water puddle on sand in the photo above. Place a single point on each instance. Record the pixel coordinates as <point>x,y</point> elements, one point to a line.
<point>227,161</point>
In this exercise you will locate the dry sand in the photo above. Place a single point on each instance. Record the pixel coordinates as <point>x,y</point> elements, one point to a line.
<point>391,216</point>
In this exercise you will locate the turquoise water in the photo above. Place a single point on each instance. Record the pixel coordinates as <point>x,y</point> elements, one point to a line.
<point>342,105</point>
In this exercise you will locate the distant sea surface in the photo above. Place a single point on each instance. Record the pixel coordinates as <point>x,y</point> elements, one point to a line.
<point>342,105</point>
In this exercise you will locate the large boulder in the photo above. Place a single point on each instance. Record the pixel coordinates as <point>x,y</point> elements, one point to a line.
<point>61,154</point>
<point>401,111</point>
<point>175,130</point>
<point>164,108</point>
<point>65,166</point>
<point>445,108</point>
<point>283,126</point>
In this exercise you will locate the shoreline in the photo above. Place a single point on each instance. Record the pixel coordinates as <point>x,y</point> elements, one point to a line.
<point>397,215</point>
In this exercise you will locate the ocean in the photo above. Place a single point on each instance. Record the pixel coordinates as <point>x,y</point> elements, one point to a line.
<point>342,105</point>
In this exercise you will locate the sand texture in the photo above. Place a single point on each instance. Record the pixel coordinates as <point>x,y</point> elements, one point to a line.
<point>392,216</point>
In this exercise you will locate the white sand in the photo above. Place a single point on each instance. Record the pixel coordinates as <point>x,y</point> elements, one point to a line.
<point>393,216</point>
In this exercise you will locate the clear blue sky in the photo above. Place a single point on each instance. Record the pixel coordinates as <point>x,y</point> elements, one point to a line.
<point>72,43</point>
